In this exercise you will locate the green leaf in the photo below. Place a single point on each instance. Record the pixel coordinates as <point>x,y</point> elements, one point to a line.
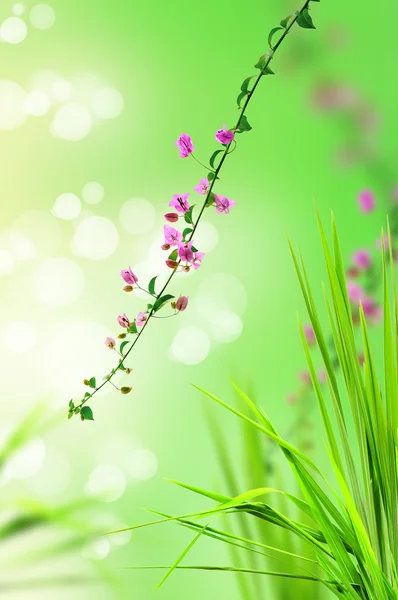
<point>262,64</point>
<point>162,301</point>
<point>87,395</point>
<point>240,98</point>
<point>271,34</point>
<point>209,201</point>
<point>92,383</point>
<point>70,414</point>
<point>304,20</point>
<point>173,255</point>
<point>186,232</point>
<point>123,345</point>
<point>87,413</point>
<point>188,216</point>
<point>285,21</point>
<point>244,125</point>
<point>214,156</point>
<point>71,404</point>
<point>210,176</point>
<point>132,328</point>
<point>245,85</point>
<point>151,286</point>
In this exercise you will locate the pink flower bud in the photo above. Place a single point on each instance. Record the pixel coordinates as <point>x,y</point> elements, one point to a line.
<point>129,276</point>
<point>123,321</point>
<point>366,201</point>
<point>309,334</point>
<point>182,303</point>
<point>171,217</point>
<point>110,343</point>
<point>224,136</point>
<point>173,264</point>
<point>362,259</point>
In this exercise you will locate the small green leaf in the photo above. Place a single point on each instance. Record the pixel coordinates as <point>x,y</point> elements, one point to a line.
<point>271,35</point>
<point>210,199</point>
<point>123,345</point>
<point>161,302</point>
<point>240,98</point>
<point>194,249</point>
<point>262,64</point>
<point>71,404</point>
<point>186,232</point>
<point>244,125</point>
<point>174,255</point>
<point>87,395</point>
<point>87,413</point>
<point>304,20</point>
<point>149,307</point>
<point>285,21</point>
<point>121,366</point>
<point>188,217</point>
<point>245,85</point>
<point>92,383</point>
<point>70,414</point>
<point>210,176</point>
<point>151,286</point>
<point>213,157</point>
<point>132,328</point>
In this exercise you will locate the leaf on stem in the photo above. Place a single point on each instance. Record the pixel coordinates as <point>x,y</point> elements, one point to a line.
<point>262,64</point>
<point>161,302</point>
<point>92,383</point>
<point>123,345</point>
<point>151,286</point>
<point>213,157</point>
<point>188,217</point>
<point>304,20</point>
<point>271,35</point>
<point>86,414</point>
<point>244,125</point>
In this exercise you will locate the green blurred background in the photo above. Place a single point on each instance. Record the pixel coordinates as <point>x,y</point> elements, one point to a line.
<point>114,84</point>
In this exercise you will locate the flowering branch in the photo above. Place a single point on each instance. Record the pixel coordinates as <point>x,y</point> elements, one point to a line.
<point>184,256</point>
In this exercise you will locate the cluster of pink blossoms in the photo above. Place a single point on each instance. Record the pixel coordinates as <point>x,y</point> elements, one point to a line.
<point>184,255</point>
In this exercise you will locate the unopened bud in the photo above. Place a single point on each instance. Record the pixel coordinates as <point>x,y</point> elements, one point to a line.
<point>121,336</point>
<point>171,217</point>
<point>128,371</point>
<point>86,382</point>
<point>186,268</point>
<point>173,264</point>
<point>173,305</point>
<point>182,303</point>
<point>125,390</point>
<point>128,288</point>
<point>165,247</point>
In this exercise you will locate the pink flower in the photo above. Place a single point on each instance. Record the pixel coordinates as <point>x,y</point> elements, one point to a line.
<point>203,186</point>
<point>361,259</point>
<point>309,334</point>
<point>110,343</point>
<point>224,136</point>
<point>129,276</point>
<point>379,242</point>
<point>123,321</point>
<point>185,145</point>
<point>171,217</point>
<point>355,292</point>
<point>291,398</point>
<point>180,203</point>
<point>223,204</point>
<point>185,251</point>
<point>321,376</point>
<point>172,236</point>
<point>371,310</point>
<point>305,377</point>
<point>182,303</point>
<point>366,201</point>
<point>141,318</point>
<point>197,259</point>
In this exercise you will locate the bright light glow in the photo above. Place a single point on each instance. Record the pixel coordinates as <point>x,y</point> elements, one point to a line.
<point>13,30</point>
<point>42,16</point>
<point>93,192</point>
<point>12,98</point>
<point>206,237</point>
<point>6,262</point>
<point>107,103</point>
<point>106,482</point>
<point>226,326</point>
<point>67,206</point>
<point>97,549</point>
<point>142,465</point>
<point>190,346</point>
<point>18,9</point>
<point>19,337</point>
<point>22,247</point>
<point>27,461</point>
<point>220,292</point>
<point>61,90</point>
<point>72,122</point>
<point>37,103</point>
<point>54,475</point>
<point>96,238</point>
<point>137,216</point>
<point>36,233</point>
<point>59,281</point>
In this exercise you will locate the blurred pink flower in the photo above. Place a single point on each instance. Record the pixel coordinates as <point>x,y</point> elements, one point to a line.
<point>321,376</point>
<point>224,136</point>
<point>182,303</point>
<point>202,187</point>
<point>291,398</point>
<point>361,259</point>
<point>123,321</point>
<point>141,318</point>
<point>379,243</point>
<point>366,201</point>
<point>171,236</point>
<point>179,202</point>
<point>309,334</point>
<point>185,145</point>
<point>129,276</point>
<point>355,292</point>
<point>223,204</point>
<point>372,310</point>
<point>110,343</point>
<point>305,377</point>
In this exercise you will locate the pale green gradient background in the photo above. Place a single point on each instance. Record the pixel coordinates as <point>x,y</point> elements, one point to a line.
<point>179,66</point>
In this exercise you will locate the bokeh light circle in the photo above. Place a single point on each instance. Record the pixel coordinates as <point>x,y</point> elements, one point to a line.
<point>37,103</point>
<point>96,238</point>
<point>142,465</point>
<point>137,216</point>
<point>190,346</point>
<point>18,9</point>
<point>67,206</point>
<point>59,282</point>
<point>13,30</point>
<point>106,482</point>
<point>12,98</point>
<point>19,337</point>
<point>6,262</point>
<point>220,292</point>
<point>226,326</point>
<point>93,192</point>
<point>35,233</point>
<point>42,16</point>
<point>72,122</point>
<point>27,461</point>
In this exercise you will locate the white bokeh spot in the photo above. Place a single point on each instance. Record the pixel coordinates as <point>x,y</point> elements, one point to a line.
<point>107,103</point>
<point>42,16</point>
<point>67,206</point>
<point>93,192</point>
<point>18,9</point>
<point>13,30</point>
<point>72,122</point>
<point>96,238</point>
<point>12,98</point>
<point>226,326</point>
<point>142,465</point>
<point>59,282</point>
<point>27,461</point>
<point>137,216</point>
<point>106,482</point>
<point>6,262</point>
<point>19,337</point>
<point>37,103</point>
<point>190,346</point>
